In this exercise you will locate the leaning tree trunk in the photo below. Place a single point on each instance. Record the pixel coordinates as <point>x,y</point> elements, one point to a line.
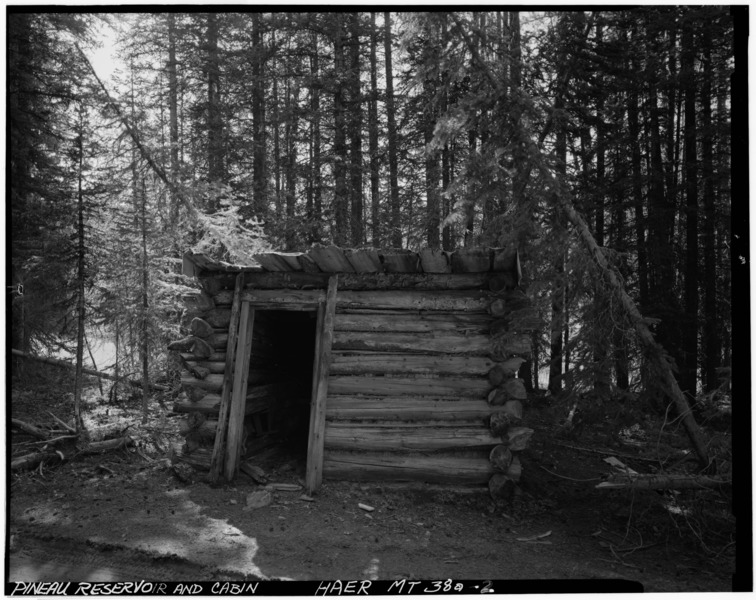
<point>654,351</point>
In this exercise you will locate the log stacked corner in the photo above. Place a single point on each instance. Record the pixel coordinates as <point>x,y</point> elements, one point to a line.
<point>513,318</point>
<point>203,351</point>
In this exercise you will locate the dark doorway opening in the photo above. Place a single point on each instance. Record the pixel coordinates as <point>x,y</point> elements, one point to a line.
<point>280,390</point>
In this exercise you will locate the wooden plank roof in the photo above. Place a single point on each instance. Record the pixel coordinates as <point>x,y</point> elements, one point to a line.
<point>332,259</point>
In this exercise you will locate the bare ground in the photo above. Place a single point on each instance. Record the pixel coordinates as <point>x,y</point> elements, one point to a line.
<point>126,516</point>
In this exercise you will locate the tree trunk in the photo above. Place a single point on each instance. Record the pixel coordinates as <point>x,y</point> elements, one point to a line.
<point>619,341</point>
<point>472,139</point>
<point>688,375</point>
<point>711,341</point>
<point>557,294</point>
<point>80,277</point>
<point>259,175</point>
<point>276,124</point>
<point>173,115</point>
<point>341,190</point>
<point>396,230</point>
<point>316,176</point>
<point>144,317</point>
<point>355,129</point>
<point>373,138</point>
<point>431,159</point>
<point>290,133</point>
<point>602,307</point>
<point>663,302</point>
<point>215,152</point>
<point>638,203</point>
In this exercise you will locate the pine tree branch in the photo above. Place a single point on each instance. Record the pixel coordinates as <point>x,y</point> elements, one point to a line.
<point>159,171</point>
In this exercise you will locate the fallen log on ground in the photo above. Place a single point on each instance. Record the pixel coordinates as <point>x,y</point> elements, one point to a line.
<point>30,461</point>
<point>661,482</point>
<point>107,445</point>
<point>42,434</point>
<point>67,365</point>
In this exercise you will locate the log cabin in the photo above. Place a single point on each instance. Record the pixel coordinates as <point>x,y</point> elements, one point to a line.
<point>383,365</point>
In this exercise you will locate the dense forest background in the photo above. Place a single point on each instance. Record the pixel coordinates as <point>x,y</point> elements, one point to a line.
<point>232,133</point>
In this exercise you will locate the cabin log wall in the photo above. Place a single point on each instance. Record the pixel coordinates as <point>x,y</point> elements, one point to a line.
<point>425,352</point>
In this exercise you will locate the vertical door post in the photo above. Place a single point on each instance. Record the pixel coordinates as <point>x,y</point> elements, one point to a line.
<point>321,368</point>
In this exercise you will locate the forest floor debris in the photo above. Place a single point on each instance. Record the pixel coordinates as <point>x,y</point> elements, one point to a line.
<point>117,513</point>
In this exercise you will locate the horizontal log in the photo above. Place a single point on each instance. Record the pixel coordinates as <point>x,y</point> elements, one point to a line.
<point>206,428</point>
<point>415,386</point>
<point>272,299</point>
<point>214,381</point>
<point>435,300</point>
<point>259,398</point>
<point>212,366</point>
<point>403,323</point>
<point>218,340</point>
<point>420,436</point>
<point>106,445</point>
<point>29,461</point>
<point>379,363</point>
<point>462,470</point>
<point>421,343</point>
<point>406,408</point>
<point>219,357</point>
<point>201,301</point>
<point>199,458</point>
<point>211,383</point>
<point>369,281</point>
<point>212,283</point>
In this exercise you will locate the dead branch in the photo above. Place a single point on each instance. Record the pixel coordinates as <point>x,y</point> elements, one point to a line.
<point>31,429</point>
<point>608,453</point>
<point>661,482</point>
<point>62,423</point>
